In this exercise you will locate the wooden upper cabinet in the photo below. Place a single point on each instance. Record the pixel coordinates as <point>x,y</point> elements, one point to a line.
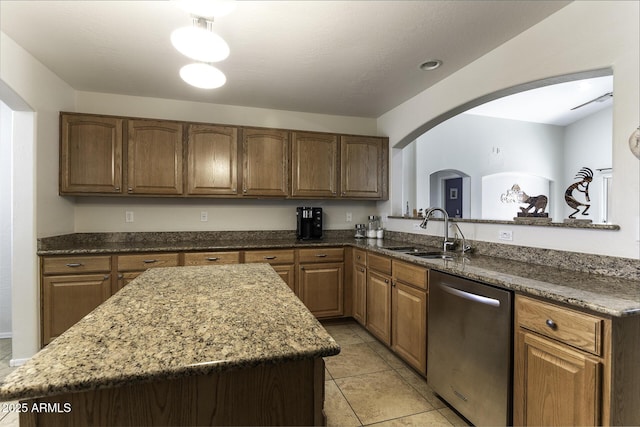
<point>265,162</point>
<point>314,165</point>
<point>212,154</point>
<point>364,164</point>
<point>154,157</point>
<point>90,154</point>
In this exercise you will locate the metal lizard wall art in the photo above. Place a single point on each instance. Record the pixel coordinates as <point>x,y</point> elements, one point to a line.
<point>585,175</point>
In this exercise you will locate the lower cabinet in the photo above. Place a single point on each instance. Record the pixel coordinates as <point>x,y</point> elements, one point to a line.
<point>379,305</point>
<point>71,288</point>
<point>131,266</point>
<point>282,261</point>
<point>409,314</point>
<point>321,281</point>
<point>558,378</point>
<point>359,278</point>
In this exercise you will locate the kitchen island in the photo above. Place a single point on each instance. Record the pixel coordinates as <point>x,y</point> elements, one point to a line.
<point>213,345</point>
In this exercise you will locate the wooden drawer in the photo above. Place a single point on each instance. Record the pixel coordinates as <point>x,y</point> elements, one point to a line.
<point>320,255</point>
<point>142,262</point>
<point>410,274</point>
<point>272,256</point>
<point>574,328</point>
<point>211,258</point>
<point>78,264</point>
<point>360,257</point>
<point>379,263</point>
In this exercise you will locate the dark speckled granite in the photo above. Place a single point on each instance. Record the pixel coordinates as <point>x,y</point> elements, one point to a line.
<point>606,285</point>
<point>176,322</point>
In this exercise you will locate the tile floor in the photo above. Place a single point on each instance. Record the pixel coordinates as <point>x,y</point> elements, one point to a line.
<point>366,384</point>
<point>7,419</point>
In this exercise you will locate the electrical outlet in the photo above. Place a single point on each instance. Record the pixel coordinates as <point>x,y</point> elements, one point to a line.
<point>128,216</point>
<point>204,216</point>
<point>505,235</point>
<point>349,217</point>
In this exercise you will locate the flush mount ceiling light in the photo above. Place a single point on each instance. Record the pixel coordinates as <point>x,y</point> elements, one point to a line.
<point>204,76</point>
<point>199,42</point>
<point>431,64</point>
<point>208,8</point>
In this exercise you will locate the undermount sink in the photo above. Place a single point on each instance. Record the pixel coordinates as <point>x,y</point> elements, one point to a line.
<point>422,253</point>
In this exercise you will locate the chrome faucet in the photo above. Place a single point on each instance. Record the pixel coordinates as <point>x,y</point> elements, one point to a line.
<point>446,244</point>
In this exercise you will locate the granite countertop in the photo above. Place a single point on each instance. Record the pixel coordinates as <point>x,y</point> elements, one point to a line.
<point>609,295</point>
<point>175,322</point>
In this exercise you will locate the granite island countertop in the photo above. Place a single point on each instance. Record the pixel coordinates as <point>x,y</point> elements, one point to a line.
<point>605,294</point>
<point>176,322</point>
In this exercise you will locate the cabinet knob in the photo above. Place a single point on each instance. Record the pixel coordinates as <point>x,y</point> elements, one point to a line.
<point>386,280</point>
<point>361,270</point>
<point>106,277</point>
<point>550,323</point>
<point>116,189</point>
<point>130,189</point>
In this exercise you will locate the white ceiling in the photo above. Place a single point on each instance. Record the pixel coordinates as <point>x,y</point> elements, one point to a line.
<point>357,58</point>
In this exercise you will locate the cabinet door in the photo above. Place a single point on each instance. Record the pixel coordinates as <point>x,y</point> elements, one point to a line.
<point>360,294</point>
<point>212,153</point>
<point>154,161</point>
<point>124,279</point>
<point>363,168</point>
<point>378,296</point>
<point>287,273</point>
<point>554,385</point>
<point>67,299</point>
<point>265,162</point>
<point>321,288</point>
<point>90,154</point>
<point>314,165</point>
<point>409,325</point>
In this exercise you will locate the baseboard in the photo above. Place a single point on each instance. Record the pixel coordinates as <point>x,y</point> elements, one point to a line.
<point>5,335</point>
<point>17,362</point>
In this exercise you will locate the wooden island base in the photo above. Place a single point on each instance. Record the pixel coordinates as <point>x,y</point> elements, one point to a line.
<point>290,393</point>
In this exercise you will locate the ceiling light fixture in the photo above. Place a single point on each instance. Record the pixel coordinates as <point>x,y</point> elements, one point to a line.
<point>431,64</point>
<point>203,76</point>
<point>199,42</point>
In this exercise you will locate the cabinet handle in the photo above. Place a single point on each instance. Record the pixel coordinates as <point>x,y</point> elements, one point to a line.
<point>130,189</point>
<point>74,264</point>
<point>213,258</point>
<point>244,190</point>
<point>149,261</point>
<point>361,270</point>
<point>321,255</point>
<point>550,323</point>
<point>270,257</point>
<point>117,189</point>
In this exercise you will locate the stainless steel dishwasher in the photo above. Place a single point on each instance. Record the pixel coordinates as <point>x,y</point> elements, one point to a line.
<point>470,347</point>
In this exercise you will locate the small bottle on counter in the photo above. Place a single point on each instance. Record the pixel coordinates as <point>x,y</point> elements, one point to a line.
<point>380,233</point>
<point>372,227</point>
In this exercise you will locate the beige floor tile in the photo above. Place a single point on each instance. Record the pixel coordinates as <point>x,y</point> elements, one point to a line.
<point>453,417</point>
<point>336,407</point>
<point>5,370</point>
<point>327,374</point>
<point>8,419</point>
<point>381,396</point>
<point>344,334</point>
<point>363,333</point>
<point>420,384</point>
<point>355,359</point>
<point>423,419</point>
<point>383,351</point>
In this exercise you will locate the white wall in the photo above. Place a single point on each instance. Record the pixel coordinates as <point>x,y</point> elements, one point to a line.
<point>38,95</point>
<point>586,144</point>
<point>6,131</point>
<point>481,146</point>
<point>582,36</point>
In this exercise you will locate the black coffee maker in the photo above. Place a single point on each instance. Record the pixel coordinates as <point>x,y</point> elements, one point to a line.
<point>309,223</point>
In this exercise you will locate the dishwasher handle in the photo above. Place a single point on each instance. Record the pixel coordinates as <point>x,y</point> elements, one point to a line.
<point>470,296</point>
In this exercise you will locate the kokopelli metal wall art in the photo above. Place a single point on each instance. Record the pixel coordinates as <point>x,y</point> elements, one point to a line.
<point>585,175</point>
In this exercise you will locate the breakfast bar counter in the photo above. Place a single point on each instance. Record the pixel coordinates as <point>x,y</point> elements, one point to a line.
<point>213,345</point>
